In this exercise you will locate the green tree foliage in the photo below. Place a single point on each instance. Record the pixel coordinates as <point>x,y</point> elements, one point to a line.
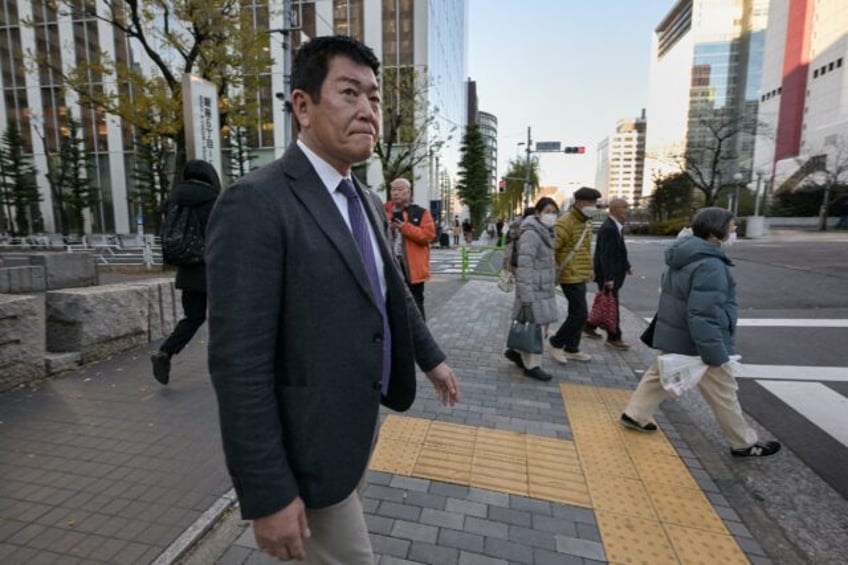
<point>150,176</point>
<point>74,167</point>
<point>214,39</point>
<point>474,175</point>
<point>411,127</point>
<point>510,202</point>
<point>673,198</point>
<point>18,189</point>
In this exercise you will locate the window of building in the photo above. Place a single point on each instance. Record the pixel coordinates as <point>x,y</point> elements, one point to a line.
<point>839,62</point>
<point>348,18</point>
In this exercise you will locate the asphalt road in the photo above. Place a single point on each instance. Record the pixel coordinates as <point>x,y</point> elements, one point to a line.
<point>801,280</point>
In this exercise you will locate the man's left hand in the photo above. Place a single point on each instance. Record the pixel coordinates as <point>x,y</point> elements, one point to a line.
<point>445,384</point>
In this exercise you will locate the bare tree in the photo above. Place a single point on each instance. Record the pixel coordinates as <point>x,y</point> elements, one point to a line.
<point>712,151</point>
<point>829,171</point>
<point>411,125</point>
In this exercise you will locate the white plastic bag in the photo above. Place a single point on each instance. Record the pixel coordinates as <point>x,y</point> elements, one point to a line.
<point>679,373</point>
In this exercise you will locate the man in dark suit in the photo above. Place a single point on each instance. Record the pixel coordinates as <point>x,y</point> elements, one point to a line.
<point>311,325</point>
<point>611,264</point>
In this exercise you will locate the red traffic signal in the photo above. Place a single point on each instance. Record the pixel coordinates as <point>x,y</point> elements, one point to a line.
<point>578,149</point>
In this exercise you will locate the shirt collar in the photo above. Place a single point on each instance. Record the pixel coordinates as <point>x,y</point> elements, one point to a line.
<point>618,224</point>
<point>326,172</point>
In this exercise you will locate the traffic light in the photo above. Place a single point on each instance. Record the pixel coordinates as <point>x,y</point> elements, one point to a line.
<point>578,149</point>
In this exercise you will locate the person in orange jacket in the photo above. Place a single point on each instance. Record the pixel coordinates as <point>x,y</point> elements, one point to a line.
<point>413,230</point>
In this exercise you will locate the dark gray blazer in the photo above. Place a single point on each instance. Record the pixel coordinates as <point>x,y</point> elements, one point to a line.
<point>295,338</point>
<point>611,262</point>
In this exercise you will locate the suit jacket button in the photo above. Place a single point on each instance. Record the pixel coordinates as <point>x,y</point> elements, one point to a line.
<point>378,338</point>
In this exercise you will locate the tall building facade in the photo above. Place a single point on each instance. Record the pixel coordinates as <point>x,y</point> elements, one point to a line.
<point>706,67</point>
<point>621,161</point>
<point>803,112</point>
<point>488,124</point>
<point>425,37</point>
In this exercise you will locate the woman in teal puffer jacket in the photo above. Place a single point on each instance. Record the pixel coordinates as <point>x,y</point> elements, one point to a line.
<point>697,316</point>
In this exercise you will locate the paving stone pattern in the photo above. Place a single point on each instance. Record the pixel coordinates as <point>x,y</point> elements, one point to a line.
<point>414,520</point>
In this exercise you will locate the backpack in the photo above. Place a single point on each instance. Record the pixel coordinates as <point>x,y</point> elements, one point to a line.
<point>183,241</point>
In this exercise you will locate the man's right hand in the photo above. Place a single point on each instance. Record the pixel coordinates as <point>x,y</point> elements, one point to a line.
<point>281,534</point>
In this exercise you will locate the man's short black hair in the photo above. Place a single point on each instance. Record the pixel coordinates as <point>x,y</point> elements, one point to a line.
<point>312,61</point>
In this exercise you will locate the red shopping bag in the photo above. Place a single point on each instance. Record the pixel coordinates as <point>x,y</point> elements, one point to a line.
<point>604,312</point>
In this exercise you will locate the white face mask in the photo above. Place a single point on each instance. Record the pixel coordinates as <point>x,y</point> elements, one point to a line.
<point>548,220</point>
<point>588,211</point>
<point>731,239</point>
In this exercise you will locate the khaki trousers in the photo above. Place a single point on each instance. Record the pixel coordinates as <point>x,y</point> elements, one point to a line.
<point>339,535</point>
<point>718,389</point>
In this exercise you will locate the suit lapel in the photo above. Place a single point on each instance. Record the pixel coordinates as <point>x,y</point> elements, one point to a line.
<point>317,202</point>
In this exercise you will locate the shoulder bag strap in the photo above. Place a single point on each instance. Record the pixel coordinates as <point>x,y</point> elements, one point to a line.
<point>573,251</point>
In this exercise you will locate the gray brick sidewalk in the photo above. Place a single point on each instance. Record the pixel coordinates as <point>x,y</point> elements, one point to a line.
<point>413,520</point>
<point>106,466</point>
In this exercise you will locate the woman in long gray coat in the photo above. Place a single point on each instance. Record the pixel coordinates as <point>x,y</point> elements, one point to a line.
<point>697,316</point>
<point>535,301</point>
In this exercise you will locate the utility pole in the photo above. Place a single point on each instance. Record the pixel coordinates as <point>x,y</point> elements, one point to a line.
<point>757,196</point>
<point>527,171</point>
<point>285,96</point>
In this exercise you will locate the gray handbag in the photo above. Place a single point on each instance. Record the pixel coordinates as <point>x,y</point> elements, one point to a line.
<point>525,336</point>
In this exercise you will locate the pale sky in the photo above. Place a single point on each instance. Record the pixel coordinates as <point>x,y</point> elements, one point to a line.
<point>569,69</point>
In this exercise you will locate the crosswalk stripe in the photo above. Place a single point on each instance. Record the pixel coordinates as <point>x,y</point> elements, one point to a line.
<point>794,373</point>
<point>792,323</point>
<point>818,403</point>
<point>789,322</point>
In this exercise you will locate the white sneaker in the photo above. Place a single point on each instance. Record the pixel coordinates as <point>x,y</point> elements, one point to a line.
<point>577,356</point>
<point>558,353</point>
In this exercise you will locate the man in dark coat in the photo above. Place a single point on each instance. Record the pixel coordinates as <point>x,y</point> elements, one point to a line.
<point>311,325</point>
<point>198,189</point>
<point>611,264</point>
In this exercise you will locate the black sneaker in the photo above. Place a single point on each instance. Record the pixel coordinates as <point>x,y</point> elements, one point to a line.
<point>161,366</point>
<point>515,357</point>
<point>759,449</point>
<point>591,332</point>
<point>629,422</point>
<point>538,373</point>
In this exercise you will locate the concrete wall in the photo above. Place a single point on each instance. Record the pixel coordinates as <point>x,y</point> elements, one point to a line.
<point>58,270</point>
<point>22,341</point>
<point>58,330</point>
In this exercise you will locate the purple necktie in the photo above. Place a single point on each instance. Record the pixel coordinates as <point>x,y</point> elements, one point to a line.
<point>362,237</point>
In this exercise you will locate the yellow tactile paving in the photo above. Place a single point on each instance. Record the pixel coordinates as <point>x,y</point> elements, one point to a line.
<point>684,507</point>
<point>699,547</point>
<point>649,508</point>
<point>505,461</point>
<point>631,540</point>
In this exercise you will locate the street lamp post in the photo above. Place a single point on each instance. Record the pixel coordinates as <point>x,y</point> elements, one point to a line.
<point>527,171</point>
<point>737,177</point>
<point>757,194</point>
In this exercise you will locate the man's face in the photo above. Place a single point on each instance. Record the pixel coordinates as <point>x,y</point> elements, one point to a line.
<point>620,211</point>
<point>344,126</point>
<point>400,193</point>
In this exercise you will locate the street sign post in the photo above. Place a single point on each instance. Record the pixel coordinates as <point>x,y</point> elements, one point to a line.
<point>545,146</point>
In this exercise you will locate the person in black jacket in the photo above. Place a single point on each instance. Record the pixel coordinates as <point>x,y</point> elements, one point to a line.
<point>198,187</point>
<point>611,265</point>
